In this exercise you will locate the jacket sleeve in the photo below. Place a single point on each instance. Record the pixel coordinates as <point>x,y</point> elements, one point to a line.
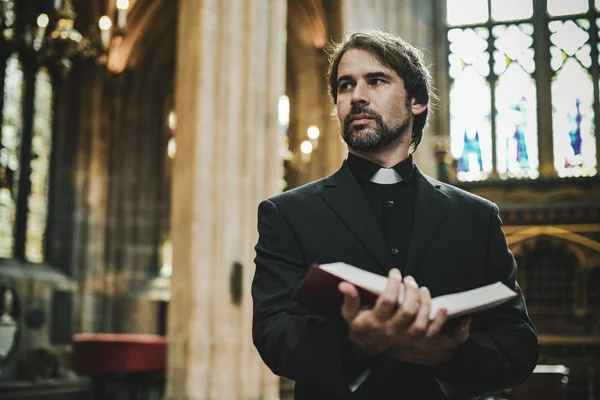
<point>502,350</point>
<point>291,341</point>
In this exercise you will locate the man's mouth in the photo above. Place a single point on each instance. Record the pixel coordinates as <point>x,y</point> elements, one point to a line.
<point>360,119</point>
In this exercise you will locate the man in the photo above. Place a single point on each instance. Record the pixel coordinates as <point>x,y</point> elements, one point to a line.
<point>379,212</point>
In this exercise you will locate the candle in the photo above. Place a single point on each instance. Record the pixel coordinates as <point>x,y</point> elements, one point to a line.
<point>122,18</point>
<point>122,6</point>
<point>42,22</point>
<point>105,25</point>
<point>57,4</point>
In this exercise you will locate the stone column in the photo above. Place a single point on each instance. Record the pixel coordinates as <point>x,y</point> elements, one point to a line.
<point>92,268</point>
<point>230,74</point>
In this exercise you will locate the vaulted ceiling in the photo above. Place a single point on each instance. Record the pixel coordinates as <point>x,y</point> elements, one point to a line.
<point>151,24</point>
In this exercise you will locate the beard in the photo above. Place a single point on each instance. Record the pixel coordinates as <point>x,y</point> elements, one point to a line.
<point>358,137</point>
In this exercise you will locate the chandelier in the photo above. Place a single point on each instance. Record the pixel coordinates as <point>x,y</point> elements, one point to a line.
<point>55,38</point>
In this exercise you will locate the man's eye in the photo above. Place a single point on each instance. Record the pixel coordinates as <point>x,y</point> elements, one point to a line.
<point>375,82</point>
<point>345,86</point>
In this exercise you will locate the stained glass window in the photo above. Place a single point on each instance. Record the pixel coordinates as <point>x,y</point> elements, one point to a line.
<point>516,102</point>
<point>494,110</point>
<point>10,146</point>
<point>470,127</point>
<point>40,164</point>
<point>572,99</point>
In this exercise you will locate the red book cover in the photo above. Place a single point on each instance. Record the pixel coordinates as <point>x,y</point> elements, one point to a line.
<point>319,291</point>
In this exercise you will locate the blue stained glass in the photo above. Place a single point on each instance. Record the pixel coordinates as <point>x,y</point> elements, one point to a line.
<point>10,145</point>
<point>573,121</point>
<point>516,124</point>
<point>470,127</point>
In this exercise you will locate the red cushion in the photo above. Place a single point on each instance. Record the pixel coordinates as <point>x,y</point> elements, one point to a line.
<point>105,353</point>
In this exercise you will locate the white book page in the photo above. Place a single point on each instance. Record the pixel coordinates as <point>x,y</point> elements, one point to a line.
<point>359,277</point>
<point>459,302</point>
<point>453,303</point>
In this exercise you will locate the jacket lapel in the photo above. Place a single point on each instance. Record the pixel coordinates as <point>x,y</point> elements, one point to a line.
<point>345,197</point>
<point>430,207</point>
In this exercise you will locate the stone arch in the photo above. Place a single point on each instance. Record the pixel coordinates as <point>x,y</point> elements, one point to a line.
<point>148,22</point>
<point>520,235</point>
<point>549,272</point>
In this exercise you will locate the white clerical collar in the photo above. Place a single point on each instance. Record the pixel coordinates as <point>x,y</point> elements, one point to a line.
<point>386,176</point>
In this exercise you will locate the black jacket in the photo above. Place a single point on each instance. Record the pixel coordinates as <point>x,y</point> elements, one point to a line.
<point>457,244</point>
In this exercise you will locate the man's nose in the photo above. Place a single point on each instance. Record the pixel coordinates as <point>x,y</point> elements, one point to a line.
<point>360,96</point>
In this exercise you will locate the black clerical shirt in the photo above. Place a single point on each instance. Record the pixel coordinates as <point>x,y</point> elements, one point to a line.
<point>392,205</point>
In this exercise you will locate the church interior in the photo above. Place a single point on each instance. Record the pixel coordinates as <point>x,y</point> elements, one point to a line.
<point>139,136</point>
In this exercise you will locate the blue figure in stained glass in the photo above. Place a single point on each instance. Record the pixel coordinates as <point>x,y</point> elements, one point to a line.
<point>575,131</point>
<point>519,135</point>
<point>471,147</point>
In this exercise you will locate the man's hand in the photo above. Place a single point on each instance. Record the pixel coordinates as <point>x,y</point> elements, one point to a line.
<point>403,332</point>
<point>436,350</point>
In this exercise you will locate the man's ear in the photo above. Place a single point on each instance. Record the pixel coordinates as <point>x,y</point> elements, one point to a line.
<point>417,108</point>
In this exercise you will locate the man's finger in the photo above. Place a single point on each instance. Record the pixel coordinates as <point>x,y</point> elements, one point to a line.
<point>461,334</point>
<point>409,308</point>
<point>438,322</point>
<point>388,301</point>
<point>351,305</point>
<point>419,326</point>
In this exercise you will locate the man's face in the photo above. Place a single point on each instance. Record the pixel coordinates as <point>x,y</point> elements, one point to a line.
<point>372,104</point>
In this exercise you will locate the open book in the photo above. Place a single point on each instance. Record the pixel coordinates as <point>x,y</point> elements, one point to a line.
<point>319,290</point>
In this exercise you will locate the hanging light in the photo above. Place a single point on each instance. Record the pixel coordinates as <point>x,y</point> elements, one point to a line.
<point>54,37</point>
<point>42,22</point>
<point>64,41</point>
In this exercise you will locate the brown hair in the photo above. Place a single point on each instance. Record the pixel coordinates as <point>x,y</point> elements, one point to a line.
<point>393,52</point>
